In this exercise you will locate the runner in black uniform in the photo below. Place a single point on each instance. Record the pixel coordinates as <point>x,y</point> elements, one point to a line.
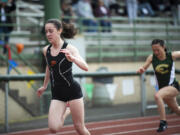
<point>59,57</point>
<point>65,88</point>
<point>168,87</point>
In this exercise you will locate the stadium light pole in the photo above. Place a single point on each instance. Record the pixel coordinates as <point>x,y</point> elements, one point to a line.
<point>52,9</point>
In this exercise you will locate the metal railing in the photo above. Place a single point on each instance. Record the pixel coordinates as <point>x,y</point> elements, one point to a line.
<point>8,78</point>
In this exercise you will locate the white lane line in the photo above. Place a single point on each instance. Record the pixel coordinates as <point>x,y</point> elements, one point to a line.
<point>90,123</point>
<point>142,130</point>
<point>139,118</point>
<point>34,130</point>
<point>118,125</point>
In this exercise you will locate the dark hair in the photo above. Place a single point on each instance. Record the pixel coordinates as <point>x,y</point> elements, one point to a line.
<point>160,42</point>
<point>68,30</point>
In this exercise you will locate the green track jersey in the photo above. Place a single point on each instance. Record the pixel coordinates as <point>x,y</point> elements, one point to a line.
<point>164,70</point>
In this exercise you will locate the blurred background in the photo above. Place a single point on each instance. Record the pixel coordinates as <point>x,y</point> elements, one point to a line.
<point>114,37</point>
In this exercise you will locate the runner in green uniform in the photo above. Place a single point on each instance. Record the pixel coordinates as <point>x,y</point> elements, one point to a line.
<point>164,70</point>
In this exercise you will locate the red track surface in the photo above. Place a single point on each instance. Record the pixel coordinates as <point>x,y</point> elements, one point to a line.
<point>135,126</point>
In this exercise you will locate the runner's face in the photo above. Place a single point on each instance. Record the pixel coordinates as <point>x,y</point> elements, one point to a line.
<point>158,50</point>
<point>52,34</point>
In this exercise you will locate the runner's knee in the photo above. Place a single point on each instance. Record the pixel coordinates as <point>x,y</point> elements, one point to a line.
<point>79,127</point>
<point>157,96</point>
<point>55,127</point>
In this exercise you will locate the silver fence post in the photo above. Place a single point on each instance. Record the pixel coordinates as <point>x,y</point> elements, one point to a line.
<point>18,17</point>
<point>6,106</point>
<point>143,95</point>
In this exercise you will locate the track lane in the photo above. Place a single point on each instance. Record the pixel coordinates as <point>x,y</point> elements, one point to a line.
<point>133,126</point>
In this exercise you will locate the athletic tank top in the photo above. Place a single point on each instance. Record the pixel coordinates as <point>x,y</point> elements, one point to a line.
<point>164,70</point>
<point>60,68</point>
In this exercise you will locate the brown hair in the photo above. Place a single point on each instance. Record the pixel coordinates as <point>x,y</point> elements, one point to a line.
<point>69,31</point>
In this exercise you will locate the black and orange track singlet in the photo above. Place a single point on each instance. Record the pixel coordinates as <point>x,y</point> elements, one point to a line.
<point>63,86</point>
